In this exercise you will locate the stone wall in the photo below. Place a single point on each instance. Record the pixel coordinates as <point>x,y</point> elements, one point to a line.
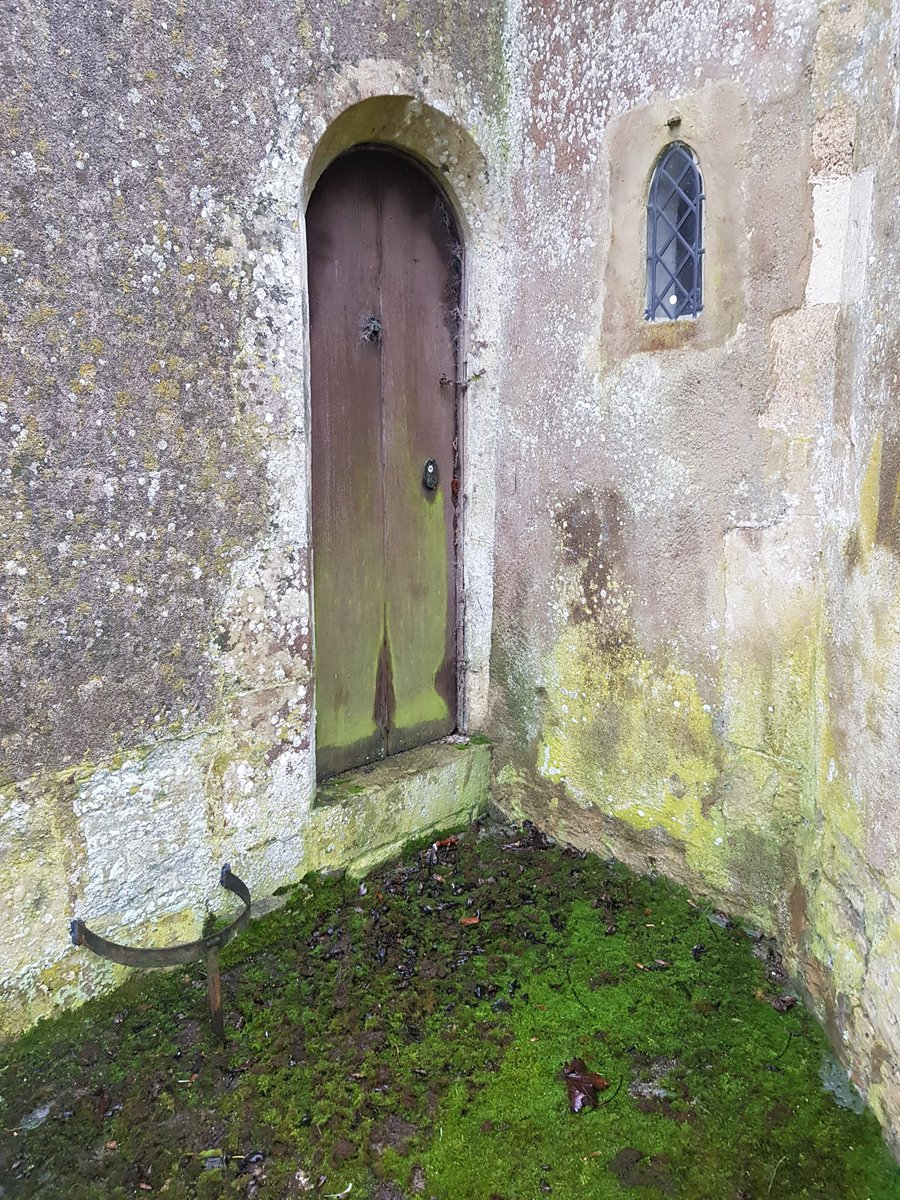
<point>157,713</point>
<point>697,520</point>
<point>679,540</point>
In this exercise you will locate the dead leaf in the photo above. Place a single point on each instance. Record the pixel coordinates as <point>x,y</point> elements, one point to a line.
<point>447,841</point>
<point>784,1003</point>
<point>470,920</point>
<point>582,1085</point>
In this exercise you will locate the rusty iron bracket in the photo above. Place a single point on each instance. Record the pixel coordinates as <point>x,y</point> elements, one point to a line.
<point>172,956</point>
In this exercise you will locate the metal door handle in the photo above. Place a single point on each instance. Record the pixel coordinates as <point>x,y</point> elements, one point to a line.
<point>430,474</point>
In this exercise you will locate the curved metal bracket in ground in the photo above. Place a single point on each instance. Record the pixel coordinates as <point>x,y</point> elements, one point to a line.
<point>172,956</point>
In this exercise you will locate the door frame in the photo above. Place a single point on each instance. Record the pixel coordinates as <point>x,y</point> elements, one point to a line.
<point>475,187</point>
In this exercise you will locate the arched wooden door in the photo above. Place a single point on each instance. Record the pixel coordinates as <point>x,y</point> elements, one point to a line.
<point>384,284</point>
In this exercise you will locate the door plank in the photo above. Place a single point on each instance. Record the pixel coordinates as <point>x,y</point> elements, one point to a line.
<point>420,304</point>
<point>343,246</point>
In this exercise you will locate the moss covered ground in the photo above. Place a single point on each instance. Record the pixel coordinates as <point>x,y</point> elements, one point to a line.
<point>407,1036</point>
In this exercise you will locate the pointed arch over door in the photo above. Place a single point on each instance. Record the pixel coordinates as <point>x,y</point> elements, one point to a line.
<point>384,257</point>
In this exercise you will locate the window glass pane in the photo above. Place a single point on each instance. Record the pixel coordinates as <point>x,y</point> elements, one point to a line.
<point>674,236</point>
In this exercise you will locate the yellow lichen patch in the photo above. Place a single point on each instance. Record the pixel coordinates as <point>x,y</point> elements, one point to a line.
<point>167,389</point>
<point>10,116</point>
<point>868,500</point>
<point>123,401</point>
<point>225,257</point>
<point>40,314</point>
<point>768,701</point>
<point>834,797</point>
<point>836,938</point>
<point>84,381</point>
<point>634,738</point>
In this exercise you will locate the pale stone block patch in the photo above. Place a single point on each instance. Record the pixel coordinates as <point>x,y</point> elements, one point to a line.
<point>859,220</point>
<point>146,842</point>
<point>842,208</point>
<point>770,582</point>
<point>802,352</point>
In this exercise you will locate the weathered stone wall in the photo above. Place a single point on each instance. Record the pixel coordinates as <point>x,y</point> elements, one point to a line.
<point>691,615</point>
<point>696,662</point>
<point>846,924</point>
<point>157,709</point>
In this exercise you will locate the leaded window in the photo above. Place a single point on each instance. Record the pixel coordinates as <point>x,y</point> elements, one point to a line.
<point>675,236</point>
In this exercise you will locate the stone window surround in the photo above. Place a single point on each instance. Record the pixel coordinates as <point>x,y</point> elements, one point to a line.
<point>712,122</point>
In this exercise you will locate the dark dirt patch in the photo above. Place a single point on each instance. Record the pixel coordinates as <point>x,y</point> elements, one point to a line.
<point>636,1169</point>
<point>393,1133</point>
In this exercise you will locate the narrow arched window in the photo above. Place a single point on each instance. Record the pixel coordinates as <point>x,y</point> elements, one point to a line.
<point>675,236</point>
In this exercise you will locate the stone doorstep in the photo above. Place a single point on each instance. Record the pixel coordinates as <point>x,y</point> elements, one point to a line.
<point>364,816</point>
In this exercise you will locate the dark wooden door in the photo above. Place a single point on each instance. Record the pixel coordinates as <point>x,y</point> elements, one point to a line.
<point>384,285</point>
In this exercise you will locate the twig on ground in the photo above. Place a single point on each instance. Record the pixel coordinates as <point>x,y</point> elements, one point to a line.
<point>774,1173</point>
<point>610,1099</point>
<point>575,993</point>
<point>786,1044</point>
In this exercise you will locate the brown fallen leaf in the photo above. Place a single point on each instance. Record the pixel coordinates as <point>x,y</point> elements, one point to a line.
<point>447,841</point>
<point>470,920</point>
<point>784,1003</point>
<point>582,1085</point>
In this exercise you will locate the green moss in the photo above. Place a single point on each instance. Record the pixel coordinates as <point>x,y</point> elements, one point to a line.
<point>375,1039</point>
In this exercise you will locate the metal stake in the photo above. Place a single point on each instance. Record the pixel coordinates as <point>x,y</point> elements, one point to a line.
<point>172,956</point>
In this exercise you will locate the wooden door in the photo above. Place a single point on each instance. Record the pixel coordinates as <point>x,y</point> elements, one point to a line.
<point>384,285</point>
